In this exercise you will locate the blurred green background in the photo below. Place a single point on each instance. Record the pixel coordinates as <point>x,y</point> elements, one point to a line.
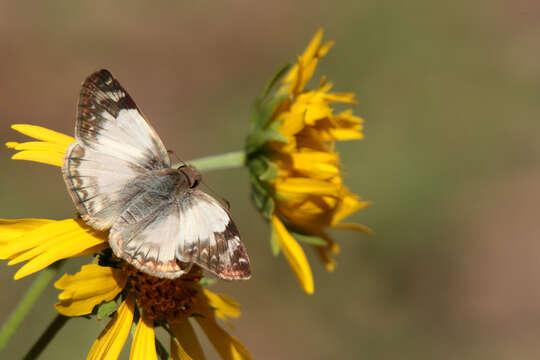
<point>451,159</point>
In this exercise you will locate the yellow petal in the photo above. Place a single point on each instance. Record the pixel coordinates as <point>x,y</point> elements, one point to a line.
<point>354,226</point>
<point>295,255</point>
<point>313,46</point>
<point>228,347</point>
<point>310,64</point>
<point>313,105</point>
<point>348,205</point>
<point>309,52</point>
<point>38,146</point>
<point>60,236</point>
<point>292,123</point>
<point>329,263</point>
<point>295,188</point>
<point>332,97</point>
<point>52,242</point>
<point>13,229</point>
<point>144,342</point>
<point>110,342</point>
<point>223,305</point>
<point>88,288</point>
<point>300,74</point>
<point>315,164</point>
<point>45,157</point>
<point>43,134</point>
<point>186,346</point>
<point>325,252</point>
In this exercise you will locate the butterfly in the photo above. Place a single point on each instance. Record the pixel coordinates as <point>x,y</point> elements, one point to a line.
<point>120,178</point>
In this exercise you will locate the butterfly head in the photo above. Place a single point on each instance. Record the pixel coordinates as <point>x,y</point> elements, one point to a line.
<point>192,175</point>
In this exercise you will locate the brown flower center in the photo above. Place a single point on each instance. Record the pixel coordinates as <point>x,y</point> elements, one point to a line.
<point>165,299</point>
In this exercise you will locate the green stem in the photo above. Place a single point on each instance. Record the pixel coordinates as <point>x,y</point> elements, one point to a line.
<point>230,160</point>
<point>27,303</point>
<point>45,338</point>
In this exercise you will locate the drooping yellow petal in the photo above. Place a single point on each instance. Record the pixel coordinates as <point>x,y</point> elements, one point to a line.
<point>143,346</point>
<point>13,229</point>
<point>51,242</point>
<point>43,134</point>
<point>228,347</point>
<point>110,342</point>
<point>295,256</point>
<point>184,344</point>
<point>88,288</point>
<point>223,305</point>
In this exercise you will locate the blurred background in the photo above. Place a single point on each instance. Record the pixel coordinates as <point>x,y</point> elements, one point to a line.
<point>451,160</point>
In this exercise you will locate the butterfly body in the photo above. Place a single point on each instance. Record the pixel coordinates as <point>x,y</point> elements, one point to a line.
<point>119,176</point>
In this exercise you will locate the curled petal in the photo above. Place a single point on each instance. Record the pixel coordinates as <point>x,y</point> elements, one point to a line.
<point>88,288</point>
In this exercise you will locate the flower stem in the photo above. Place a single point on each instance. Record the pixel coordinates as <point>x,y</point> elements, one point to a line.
<point>45,338</point>
<point>230,160</point>
<point>27,303</point>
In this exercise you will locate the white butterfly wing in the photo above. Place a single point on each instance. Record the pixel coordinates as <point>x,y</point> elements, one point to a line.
<point>144,233</point>
<point>114,145</point>
<point>208,237</point>
<point>160,237</point>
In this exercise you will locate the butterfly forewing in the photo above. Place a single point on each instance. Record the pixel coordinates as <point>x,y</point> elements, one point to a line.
<point>114,145</point>
<point>118,174</point>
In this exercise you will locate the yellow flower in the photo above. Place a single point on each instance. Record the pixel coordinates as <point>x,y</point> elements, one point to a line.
<point>98,288</point>
<point>295,171</point>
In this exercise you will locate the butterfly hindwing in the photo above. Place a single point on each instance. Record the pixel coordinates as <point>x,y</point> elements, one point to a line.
<point>191,227</point>
<point>208,236</point>
<point>114,145</point>
<point>145,232</point>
